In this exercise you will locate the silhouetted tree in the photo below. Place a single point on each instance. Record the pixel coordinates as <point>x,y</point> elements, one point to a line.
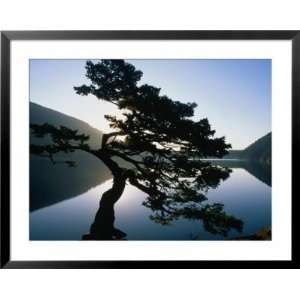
<point>160,142</point>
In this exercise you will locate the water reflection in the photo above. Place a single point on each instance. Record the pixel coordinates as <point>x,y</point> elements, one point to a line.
<point>245,197</point>
<point>261,171</point>
<point>51,184</point>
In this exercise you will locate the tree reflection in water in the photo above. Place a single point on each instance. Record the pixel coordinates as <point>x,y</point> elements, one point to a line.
<point>166,208</point>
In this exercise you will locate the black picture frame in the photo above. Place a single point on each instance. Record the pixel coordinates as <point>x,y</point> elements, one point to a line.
<point>8,36</point>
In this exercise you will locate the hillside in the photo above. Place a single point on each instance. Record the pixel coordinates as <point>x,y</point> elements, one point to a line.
<point>234,154</point>
<point>260,151</point>
<point>50,183</point>
<point>40,114</point>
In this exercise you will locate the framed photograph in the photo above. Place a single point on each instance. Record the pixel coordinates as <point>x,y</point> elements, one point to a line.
<point>149,149</point>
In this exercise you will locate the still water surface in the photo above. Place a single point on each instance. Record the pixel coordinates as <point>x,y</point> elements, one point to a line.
<point>243,194</point>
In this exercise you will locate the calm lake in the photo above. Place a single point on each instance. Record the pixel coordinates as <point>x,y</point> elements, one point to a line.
<point>246,194</point>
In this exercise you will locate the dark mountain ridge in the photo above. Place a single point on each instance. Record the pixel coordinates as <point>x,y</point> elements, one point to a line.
<point>259,151</point>
<point>40,114</point>
<point>50,183</point>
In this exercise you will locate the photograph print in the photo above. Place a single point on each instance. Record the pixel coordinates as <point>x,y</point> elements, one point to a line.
<point>150,149</point>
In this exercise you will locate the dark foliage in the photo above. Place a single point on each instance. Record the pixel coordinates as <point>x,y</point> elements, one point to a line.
<point>158,138</point>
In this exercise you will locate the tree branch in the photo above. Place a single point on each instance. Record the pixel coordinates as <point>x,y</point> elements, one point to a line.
<point>107,136</point>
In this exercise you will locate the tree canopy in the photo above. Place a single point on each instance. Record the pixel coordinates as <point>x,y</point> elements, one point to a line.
<point>157,137</point>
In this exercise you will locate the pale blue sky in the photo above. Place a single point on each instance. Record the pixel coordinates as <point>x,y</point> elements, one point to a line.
<point>235,95</point>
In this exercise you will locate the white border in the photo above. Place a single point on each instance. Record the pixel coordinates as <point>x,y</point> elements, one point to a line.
<point>277,249</point>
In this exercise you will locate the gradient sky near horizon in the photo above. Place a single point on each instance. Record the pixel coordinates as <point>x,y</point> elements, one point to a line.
<point>234,94</point>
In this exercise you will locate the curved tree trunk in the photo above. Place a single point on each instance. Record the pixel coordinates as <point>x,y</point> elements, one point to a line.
<point>103,225</point>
